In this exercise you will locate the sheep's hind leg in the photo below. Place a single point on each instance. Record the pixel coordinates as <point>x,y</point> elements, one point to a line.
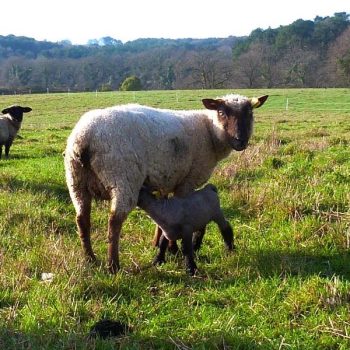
<point>84,226</point>
<point>157,235</point>
<point>172,246</point>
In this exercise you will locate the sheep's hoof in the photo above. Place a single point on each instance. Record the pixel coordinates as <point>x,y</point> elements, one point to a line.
<point>91,258</point>
<point>113,267</point>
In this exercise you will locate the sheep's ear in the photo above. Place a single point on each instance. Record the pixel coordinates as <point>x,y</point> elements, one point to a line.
<point>257,102</point>
<point>5,111</point>
<point>26,109</point>
<point>212,104</point>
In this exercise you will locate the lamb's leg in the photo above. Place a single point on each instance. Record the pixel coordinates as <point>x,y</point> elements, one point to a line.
<point>172,246</point>
<point>0,151</point>
<point>198,239</point>
<point>187,249</point>
<point>163,244</point>
<point>83,222</point>
<point>157,235</point>
<point>226,232</point>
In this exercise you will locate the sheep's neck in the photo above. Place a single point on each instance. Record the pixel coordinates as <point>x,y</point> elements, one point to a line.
<point>220,146</point>
<point>15,124</point>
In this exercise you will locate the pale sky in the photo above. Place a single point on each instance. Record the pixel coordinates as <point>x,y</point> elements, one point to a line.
<point>125,20</point>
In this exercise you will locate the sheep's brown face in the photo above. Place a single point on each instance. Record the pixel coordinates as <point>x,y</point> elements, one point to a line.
<point>236,118</point>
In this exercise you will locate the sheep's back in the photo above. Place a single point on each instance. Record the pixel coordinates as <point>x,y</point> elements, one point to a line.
<point>136,143</point>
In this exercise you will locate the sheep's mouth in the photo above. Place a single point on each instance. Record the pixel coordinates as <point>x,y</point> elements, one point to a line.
<point>238,145</point>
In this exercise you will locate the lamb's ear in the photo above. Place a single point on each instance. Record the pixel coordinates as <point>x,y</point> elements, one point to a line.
<point>210,103</point>
<point>5,111</point>
<point>257,102</point>
<point>26,109</point>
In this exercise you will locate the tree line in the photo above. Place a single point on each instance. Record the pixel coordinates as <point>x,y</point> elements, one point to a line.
<point>303,54</point>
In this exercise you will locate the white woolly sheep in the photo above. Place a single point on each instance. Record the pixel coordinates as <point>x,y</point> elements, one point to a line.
<point>112,152</point>
<point>10,123</point>
<point>180,217</point>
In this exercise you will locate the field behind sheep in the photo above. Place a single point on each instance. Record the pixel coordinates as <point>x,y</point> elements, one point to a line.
<point>287,286</point>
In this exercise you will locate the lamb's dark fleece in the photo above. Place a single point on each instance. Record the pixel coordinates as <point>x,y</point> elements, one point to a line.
<point>180,217</point>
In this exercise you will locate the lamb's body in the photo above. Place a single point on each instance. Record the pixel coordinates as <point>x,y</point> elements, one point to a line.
<point>112,152</point>
<point>10,123</point>
<point>180,217</point>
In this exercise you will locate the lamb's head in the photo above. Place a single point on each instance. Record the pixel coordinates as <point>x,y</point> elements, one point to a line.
<point>16,112</point>
<point>235,117</point>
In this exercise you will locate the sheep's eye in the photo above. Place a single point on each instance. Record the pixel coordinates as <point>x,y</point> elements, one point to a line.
<point>221,113</point>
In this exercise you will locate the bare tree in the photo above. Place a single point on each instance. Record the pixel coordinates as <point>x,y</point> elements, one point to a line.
<point>210,71</point>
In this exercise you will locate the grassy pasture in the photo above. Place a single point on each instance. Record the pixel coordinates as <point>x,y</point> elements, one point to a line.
<point>286,287</point>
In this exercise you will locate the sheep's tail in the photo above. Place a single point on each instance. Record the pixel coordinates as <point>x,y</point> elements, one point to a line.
<point>78,152</point>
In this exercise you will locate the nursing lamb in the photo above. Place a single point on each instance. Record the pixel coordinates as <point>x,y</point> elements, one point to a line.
<point>179,218</point>
<point>112,152</point>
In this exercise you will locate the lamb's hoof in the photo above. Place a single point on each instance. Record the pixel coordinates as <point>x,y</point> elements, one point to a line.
<point>158,261</point>
<point>230,248</point>
<point>191,270</point>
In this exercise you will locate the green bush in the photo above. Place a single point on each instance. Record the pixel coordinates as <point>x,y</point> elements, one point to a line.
<point>132,83</point>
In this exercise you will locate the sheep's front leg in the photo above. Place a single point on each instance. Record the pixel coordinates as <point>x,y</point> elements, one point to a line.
<point>187,249</point>
<point>115,223</point>
<point>163,244</point>
<point>7,149</point>
<point>121,204</point>
<point>0,151</point>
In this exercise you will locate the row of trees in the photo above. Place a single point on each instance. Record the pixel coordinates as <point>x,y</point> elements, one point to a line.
<point>302,54</point>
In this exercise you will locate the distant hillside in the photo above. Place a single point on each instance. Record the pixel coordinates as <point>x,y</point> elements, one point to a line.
<point>302,54</point>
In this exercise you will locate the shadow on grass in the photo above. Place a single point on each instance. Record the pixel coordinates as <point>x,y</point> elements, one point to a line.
<point>52,189</point>
<point>272,263</point>
<point>15,340</point>
<point>265,264</point>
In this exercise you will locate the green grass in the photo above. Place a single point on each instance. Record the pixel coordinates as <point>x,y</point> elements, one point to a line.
<point>286,287</point>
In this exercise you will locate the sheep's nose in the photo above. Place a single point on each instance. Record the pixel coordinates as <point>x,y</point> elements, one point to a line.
<point>238,145</point>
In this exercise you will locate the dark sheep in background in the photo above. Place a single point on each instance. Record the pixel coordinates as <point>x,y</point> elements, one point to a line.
<point>10,123</point>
